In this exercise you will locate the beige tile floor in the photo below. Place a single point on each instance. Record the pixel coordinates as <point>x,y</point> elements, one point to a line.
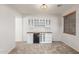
<point>44,48</point>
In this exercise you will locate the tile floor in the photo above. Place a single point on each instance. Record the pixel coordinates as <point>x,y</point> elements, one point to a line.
<point>55,47</point>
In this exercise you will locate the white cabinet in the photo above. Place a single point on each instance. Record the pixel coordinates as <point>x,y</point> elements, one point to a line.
<point>30,38</point>
<point>43,38</point>
<point>48,38</point>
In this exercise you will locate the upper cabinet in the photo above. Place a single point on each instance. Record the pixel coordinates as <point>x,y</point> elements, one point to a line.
<point>39,22</point>
<point>70,23</point>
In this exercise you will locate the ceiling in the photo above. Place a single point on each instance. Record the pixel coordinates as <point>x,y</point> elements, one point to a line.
<point>35,8</point>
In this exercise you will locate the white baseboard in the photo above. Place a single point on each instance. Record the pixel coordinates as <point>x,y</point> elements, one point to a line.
<point>6,51</point>
<point>71,46</point>
<point>11,49</point>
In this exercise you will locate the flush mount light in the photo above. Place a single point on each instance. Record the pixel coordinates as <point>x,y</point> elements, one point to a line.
<point>43,6</point>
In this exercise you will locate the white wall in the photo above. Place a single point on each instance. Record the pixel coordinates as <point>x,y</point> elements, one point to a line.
<point>7,29</point>
<point>71,40</point>
<point>18,28</point>
<point>57,35</point>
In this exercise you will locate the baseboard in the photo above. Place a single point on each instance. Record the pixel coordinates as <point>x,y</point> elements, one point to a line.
<point>71,46</point>
<point>11,49</point>
<point>3,51</point>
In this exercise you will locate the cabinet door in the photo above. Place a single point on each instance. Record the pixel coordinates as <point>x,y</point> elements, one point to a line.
<point>29,38</point>
<point>42,37</point>
<point>48,38</point>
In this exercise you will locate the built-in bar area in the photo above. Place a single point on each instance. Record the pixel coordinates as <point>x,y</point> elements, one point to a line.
<point>37,29</point>
<point>40,37</point>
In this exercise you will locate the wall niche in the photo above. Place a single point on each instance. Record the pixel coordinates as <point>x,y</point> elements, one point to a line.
<point>70,23</point>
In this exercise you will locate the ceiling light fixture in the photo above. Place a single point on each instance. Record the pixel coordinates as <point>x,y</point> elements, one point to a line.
<point>43,6</point>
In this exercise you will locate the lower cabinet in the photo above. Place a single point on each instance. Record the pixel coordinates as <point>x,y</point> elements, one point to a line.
<point>29,38</point>
<point>48,38</point>
<point>39,38</point>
